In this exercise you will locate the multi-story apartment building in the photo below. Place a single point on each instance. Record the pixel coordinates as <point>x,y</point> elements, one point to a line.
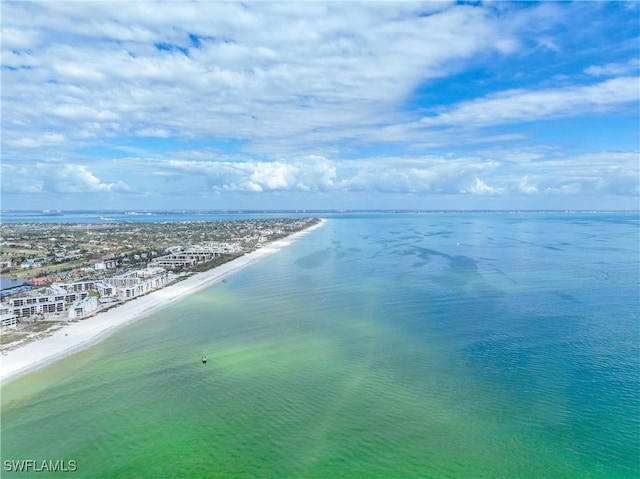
<point>43,301</point>
<point>100,286</point>
<point>143,286</point>
<point>83,308</point>
<point>7,318</point>
<point>194,255</point>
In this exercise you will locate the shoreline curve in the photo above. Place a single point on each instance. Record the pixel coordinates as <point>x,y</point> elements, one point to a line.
<point>73,337</point>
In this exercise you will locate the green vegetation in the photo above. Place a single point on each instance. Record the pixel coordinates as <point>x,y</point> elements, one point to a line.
<point>88,249</point>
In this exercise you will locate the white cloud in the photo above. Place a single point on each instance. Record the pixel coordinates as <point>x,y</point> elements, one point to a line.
<point>72,178</point>
<point>270,97</point>
<point>603,173</point>
<point>614,69</point>
<point>389,175</point>
<point>419,175</point>
<point>526,187</point>
<point>19,179</point>
<point>265,73</point>
<point>37,141</point>
<point>315,174</point>
<point>518,106</point>
<point>19,39</point>
<point>481,188</point>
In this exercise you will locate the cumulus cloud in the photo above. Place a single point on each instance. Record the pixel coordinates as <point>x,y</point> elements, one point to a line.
<point>255,176</point>
<point>261,98</point>
<point>73,178</point>
<point>419,175</point>
<point>20,179</point>
<point>525,187</point>
<point>481,188</point>
<point>318,174</point>
<point>603,173</point>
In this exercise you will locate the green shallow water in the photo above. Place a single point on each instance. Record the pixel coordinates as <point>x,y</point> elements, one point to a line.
<point>375,347</point>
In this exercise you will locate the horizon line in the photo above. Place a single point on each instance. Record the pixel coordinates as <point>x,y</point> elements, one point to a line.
<point>313,210</point>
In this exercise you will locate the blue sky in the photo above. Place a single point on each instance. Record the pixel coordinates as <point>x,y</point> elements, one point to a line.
<point>268,105</point>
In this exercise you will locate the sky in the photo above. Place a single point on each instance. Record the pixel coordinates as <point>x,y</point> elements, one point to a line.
<point>308,105</point>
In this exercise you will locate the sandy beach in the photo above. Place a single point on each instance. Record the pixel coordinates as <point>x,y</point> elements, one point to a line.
<point>79,335</point>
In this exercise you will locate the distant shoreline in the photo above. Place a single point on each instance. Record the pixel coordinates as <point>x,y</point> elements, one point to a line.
<point>79,335</point>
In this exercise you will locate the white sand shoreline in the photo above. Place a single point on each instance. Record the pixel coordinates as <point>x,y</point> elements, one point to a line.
<point>79,335</point>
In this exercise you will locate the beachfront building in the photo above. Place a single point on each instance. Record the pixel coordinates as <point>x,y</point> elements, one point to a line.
<point>144,286</point>
<point>193,255</point>
<point>83,308</point>
<point>225,248</point>
<point>175,260</point>
<point>69,296</point>
<point>40,301</point>
<point>77,286</point>
<point>7,318</point>
<point>75,297</point>
<point>131,283</point>
<point>51,300</point>
<point>102,288</point>
<point>134,283</point>
<point>150,272</point>
<point>124,280</point>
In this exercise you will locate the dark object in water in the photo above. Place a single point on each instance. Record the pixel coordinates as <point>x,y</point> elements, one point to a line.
<point>204,359</point>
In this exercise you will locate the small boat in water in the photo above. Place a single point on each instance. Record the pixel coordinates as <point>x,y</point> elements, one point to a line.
<point>204,359</point>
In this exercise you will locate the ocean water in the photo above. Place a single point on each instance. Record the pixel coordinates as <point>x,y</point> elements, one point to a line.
<point>378,346</point>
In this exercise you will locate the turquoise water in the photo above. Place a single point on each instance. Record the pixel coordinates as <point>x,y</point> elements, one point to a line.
<point>378,346</point>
